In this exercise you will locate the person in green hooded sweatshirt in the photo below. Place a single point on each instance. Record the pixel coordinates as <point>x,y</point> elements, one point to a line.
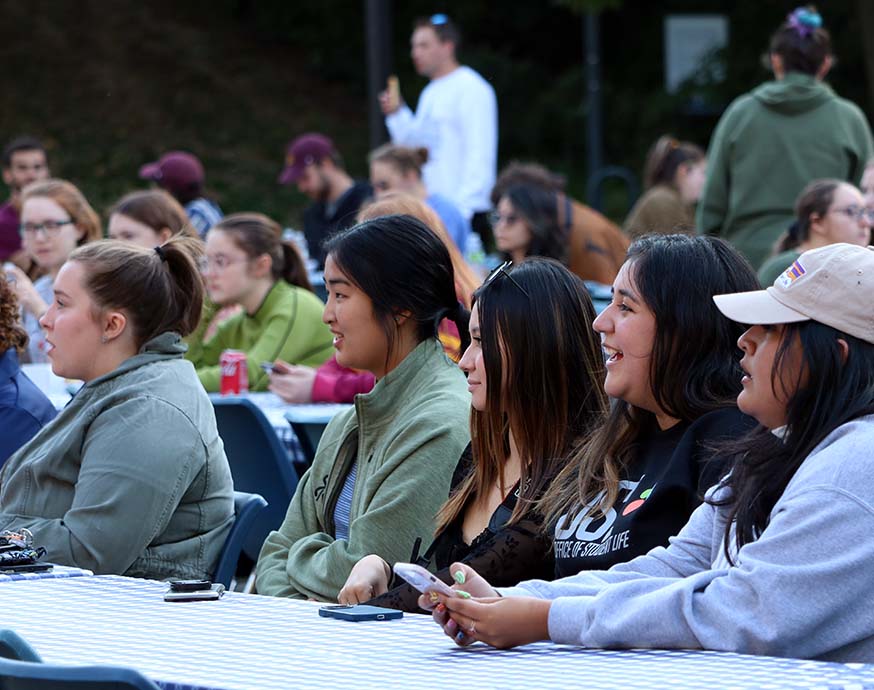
<point>770,143</point>
<point>248,264</point>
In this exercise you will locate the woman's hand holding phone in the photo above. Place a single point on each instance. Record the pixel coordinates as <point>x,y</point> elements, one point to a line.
<point>294,384</point>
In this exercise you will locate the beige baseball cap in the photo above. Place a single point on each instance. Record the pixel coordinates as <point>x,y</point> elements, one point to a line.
<point>833,285</point>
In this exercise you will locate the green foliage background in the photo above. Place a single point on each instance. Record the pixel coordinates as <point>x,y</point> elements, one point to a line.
<point>110,85</point>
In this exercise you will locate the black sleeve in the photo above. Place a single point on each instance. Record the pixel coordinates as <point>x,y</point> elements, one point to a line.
<point>504,558</point>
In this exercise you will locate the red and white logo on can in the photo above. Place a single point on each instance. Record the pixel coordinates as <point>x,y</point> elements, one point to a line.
<point>235,373</point>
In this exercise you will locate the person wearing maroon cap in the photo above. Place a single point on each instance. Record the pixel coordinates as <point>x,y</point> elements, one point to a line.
<point>315,165</point>
<point>181,174</point>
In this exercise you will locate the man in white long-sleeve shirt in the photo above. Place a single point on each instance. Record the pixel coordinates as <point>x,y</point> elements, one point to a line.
<point>456,119</point>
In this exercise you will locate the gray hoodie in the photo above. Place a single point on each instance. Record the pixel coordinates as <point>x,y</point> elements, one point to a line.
<point>131,477</point>
<point>803,589</point>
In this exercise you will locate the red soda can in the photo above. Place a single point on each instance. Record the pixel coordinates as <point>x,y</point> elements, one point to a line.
<point>235,372</point>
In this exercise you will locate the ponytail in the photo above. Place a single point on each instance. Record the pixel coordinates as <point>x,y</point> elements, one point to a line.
<point>665,156</point>
<point>293,270</point>
<point>159,289</point>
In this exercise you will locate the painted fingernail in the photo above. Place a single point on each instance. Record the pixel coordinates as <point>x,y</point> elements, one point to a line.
<point>463,595</point>
<point>433,597</point>
<point>459,577</point>
<point>440,608</point>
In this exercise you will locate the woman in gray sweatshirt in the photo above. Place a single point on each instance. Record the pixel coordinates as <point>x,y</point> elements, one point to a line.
<point>777,561</point>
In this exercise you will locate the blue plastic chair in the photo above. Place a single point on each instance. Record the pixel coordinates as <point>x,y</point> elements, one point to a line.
<point>14,646</point>
<point>259,465</point>
<point>26,675</point>
<point>246,509</point>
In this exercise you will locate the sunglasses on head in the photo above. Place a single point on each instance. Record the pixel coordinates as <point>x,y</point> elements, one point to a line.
<point>502,270</point>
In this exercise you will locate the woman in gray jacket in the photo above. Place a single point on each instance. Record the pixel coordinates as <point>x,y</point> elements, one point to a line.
<point>131,477</point>
<point>778,559</point>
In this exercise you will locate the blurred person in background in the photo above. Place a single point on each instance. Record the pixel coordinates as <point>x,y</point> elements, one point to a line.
<point>315,165</point>
<point>55,219</point>
<point>148,218</point>
<point>399,169</point>
<point>673,177</point>
<point>526,224</point>
<point>24,161</point>
<point>181,173</point>
<point>456,119</point>
<point>596,246</point>
<point>774,140</point>
<point>247,263</point>
<point>827,211</point>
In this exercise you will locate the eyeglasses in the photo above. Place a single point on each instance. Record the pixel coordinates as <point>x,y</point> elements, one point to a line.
<point>438,19</point>
<point>50,227</point>
<point>856,213</point>
<point>217,263</point>
<point>502,270</point>
<point>509,219</point>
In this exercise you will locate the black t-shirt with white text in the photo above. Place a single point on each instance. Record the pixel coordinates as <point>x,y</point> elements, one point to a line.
<point>658,492</point>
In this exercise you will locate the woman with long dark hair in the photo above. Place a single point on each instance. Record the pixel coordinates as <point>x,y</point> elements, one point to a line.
<point>778,559</point>
<point>526,224</point>
<point>535,371</point>
<point>383,468</point>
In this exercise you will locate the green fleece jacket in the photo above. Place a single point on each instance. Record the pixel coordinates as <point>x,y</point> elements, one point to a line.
<point>131,477</point>
<point>406,436</point>
<point>288,325</point>
<point>767,146</point>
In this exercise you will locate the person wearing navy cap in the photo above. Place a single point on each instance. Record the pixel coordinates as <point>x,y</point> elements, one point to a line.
<point>181,173</point>
<point>314,164</point>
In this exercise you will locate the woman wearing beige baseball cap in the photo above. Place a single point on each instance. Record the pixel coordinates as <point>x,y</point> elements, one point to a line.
<point>778,559</point>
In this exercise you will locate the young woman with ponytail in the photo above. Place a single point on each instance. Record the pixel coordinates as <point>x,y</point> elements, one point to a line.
<point>827,211</point>
<point>247,263</point>
<point>383,468</point>
<point>130,477</point>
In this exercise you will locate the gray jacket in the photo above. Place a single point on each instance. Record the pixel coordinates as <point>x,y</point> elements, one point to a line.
<point>802,589</point>
<point>131,477</point>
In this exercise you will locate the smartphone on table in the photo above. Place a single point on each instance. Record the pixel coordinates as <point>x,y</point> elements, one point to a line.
<point>25,568</point>
<point>194,590</point>
<point>359,612</point>
<point>423,580</point>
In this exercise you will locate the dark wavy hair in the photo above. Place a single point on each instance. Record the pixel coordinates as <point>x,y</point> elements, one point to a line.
<point>538,208</point>
<point>402,267</point>
<point>830,390</point>
<point>695,363</point>
<point>545,371</point>
<point>12,334</point>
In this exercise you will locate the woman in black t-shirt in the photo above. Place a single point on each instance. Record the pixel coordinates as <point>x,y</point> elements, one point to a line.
<point>673,372</point>
<point>535,373</point>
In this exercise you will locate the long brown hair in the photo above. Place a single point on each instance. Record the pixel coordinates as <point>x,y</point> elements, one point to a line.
<point>399,203</point>
<point>157,209</point>
<point>159,289</point>
<point>545,371</point>
<point>694,368</point>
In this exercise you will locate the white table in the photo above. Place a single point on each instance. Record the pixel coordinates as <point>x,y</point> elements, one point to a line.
<point>261,643</point>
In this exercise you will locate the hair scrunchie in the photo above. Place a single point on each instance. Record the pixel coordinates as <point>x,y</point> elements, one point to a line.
<point>160,252</point>
<point>804,21</point>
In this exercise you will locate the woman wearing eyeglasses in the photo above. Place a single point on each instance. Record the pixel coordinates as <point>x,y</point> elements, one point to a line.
<point>526,224</point>
<point>383,468</point>
<point>248,264</point>
<point>55,219</point>
<point>535,372</point>
<point>826,212</point>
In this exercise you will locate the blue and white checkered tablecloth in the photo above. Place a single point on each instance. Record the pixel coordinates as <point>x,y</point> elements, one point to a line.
<point>57,571</point>
<point>252,642</point>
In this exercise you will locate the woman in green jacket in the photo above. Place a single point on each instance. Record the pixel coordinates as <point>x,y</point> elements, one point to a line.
<point>383,468</point>
<point>248,264</point>
<point>130,478</point>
